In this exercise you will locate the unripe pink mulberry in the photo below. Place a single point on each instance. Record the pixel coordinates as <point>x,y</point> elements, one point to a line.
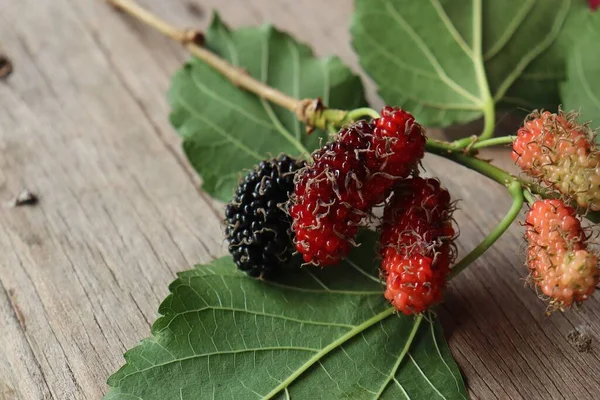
<point>557,255</point>
<point>562,154</point>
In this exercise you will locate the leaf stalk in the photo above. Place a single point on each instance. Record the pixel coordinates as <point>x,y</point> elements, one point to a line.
<point>489,119</point>
<point>516,191</point>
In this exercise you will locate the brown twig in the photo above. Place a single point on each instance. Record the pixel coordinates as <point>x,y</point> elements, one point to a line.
<point>190,40</point>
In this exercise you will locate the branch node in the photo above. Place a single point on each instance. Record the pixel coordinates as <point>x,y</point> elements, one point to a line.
<point>310,112</point>
<point>191,36</point>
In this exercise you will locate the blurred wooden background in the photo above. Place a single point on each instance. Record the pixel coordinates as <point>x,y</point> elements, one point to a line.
<point>83,123</point>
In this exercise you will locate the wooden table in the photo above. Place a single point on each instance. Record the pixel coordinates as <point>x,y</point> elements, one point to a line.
<point>83,123</point>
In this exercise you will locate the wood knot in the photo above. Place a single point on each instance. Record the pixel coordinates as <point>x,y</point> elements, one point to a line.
<point>6,66</point>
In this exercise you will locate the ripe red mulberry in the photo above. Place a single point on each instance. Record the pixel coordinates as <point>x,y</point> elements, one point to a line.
<point>416,244</point>
<point>329,200</point>
<point>349,177</point>
<point>399,141</point>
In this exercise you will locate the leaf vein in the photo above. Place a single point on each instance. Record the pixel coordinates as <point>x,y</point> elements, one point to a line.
<point>397,61</point>
<point>319,282</point>
<point>217,353</point>
<point>295,82</point>
<point>220,131</point>
<point>429,55</point>
<point>256,313</point>
<point>332,346</point>
<point>534,52</point>
<point>437,347</point>
<point>363,272</point>
<point>239,110</point>
<point>584,81</point>
<point>403,352</point>
<point>451,28</point>
<point>425,376</point>
<point>402,388</point>
<point>264,76</point>
<point>513,26</point>
<point>443,106</point>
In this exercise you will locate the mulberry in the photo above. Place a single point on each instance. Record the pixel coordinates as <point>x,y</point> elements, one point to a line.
<point>417,244</point>
<point>258,228</point>
<point>350,176</point>
<point>557,255</point>
<point>562,154</point>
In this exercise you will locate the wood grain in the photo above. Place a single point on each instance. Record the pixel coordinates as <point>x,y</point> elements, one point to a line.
<point>83,123</point>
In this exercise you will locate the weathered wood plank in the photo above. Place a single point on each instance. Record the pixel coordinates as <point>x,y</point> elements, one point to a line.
<point>118,214</point>
<point>83,123</point>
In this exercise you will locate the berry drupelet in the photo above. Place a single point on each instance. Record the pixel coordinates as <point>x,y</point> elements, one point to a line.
<point>258,228</point>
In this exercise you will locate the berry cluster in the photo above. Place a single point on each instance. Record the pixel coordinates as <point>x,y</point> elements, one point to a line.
<point>557,255</point>
<point>257,227</point>
<point>348,178</point>
<point>562,154</point>
<point>416,240</point>
<point>369,163</point>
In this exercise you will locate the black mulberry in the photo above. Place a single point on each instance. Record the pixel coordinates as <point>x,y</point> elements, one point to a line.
<point>258,227</point>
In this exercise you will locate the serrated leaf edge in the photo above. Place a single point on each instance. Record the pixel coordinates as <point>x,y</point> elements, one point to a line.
<point>354,330</point>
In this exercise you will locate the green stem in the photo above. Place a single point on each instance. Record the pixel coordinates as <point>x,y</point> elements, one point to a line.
<point>489,118</point>
<point>434,146</point>
<point>337,118</point>
<point>357,113</point>
<point>331,129</point>
<point>474,163</point>
<point>502,177</point>
<point>493,142</point>
<point>468,144</point>
<point>463,143</point>
<point>544,193</point>
<point>516,191</point>
<point>447,150</point>
<point>528,196</point>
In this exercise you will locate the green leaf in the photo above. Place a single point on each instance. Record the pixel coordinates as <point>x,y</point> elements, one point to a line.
<point>452,61</point>
<point>538,86</point>
<point>226,129</point>
<point>581,91</point>
<point>317,334</point>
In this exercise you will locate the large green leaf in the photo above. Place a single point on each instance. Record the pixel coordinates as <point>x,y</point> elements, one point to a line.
<point>581,91</point>
<point>316,334</point>
<point>538,85</point>
<point>451,61</point>
<point>225,129</point>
